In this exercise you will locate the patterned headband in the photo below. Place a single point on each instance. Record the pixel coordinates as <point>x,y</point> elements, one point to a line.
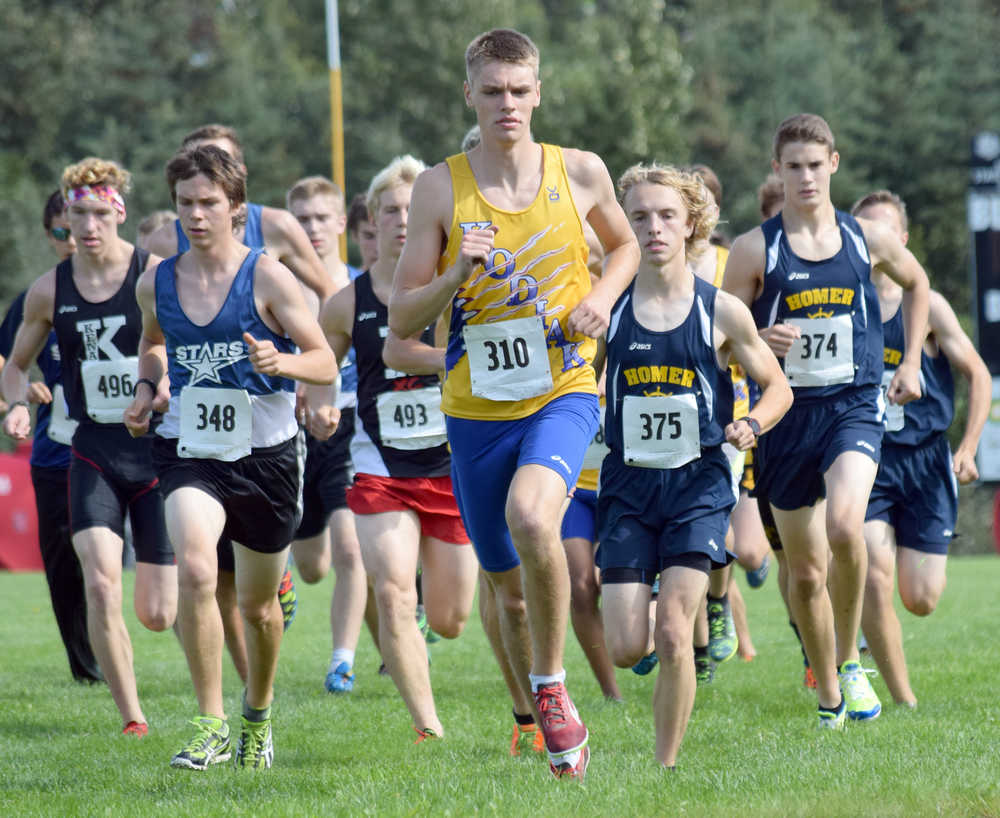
<point>97,193</point>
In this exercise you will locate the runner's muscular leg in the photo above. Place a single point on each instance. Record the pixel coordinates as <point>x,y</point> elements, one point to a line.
<point>536,501</point>
<point>921,579</point>
<point>803,534</point>
<point>195,521</point>
<point>100,552</point>
<point>449,582</point>
<point>681,591</point>
<point>390,544</point>
<point>626,620</point>
<point>849,483</point>
<point>879,621</point>
<point>257,578</point>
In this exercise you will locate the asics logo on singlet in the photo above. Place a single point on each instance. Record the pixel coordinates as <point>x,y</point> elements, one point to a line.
<point>634,346</point>
<point>205,360</point>
<point>864,444</point>
<point>66,308</point>
<point>366,316</point>
<point>798,276</point>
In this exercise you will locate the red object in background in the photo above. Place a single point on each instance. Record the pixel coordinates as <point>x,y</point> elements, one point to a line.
<point>996,520</point>
<point>18,517</point>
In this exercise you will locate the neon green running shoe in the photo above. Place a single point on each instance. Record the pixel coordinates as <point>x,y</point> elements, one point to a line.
<point>210,745</point>
<point>722,640</point>
<point>256,746</point>
<point>862,703</point>
<point>833,718</point>
<point>704,670</point>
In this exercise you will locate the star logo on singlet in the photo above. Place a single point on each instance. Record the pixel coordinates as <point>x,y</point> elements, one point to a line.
<point>204,361</point>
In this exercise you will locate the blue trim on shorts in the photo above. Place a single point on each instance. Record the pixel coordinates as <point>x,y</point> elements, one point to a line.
<point>485,455</point>
<point>916,493</point>
<point>793,458</point>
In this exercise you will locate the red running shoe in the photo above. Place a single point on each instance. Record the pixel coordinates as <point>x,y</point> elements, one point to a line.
<point>564,732</point>
<point>567,769</point>
<point>135,728</point>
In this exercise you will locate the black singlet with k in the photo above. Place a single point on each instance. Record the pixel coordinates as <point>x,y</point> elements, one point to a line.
<point>368,449</point>
<point>95,331</point>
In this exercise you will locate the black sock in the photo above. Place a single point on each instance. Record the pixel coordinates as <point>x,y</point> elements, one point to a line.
<point>798,636</point>
<point>523,720</point>
<point>838,709</point>
<point>700,652</point>
<point>252,713</point>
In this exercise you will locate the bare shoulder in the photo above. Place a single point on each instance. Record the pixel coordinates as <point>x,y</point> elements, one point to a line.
<point>275,221</point>
<point>433,189</point>
<point>271,272</point>
<point>585,168</point>
<point>163,241</point>
<point>145,287</point>
<point>880,238</point>
<point>337,315</point>
<point>41,294</point>
<point>749,244</point>
<point>941,315</point>
<point>732,315</point>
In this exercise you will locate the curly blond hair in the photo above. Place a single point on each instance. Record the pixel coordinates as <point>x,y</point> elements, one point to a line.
<point>702,211</point>
<point>93,171</point>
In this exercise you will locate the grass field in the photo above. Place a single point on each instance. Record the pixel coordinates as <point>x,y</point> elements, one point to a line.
<point>752,747</point>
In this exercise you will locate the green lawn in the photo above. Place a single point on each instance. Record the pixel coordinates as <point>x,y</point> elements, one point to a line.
<point>752,747</point>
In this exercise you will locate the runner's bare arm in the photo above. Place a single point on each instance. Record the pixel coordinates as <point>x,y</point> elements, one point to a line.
<point>743,344</point>
<point>744,278</point>
<point>285,235</point>
<point>593,189</point>
<point>28,343</point>
<point>411,355</point>
<point>152,361</point>
<point>889,255</point>
<point>418,295</point>
<point>958,348</point>
<point>276,289</point>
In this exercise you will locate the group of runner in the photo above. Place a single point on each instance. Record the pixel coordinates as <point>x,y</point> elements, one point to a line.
<point>465,408</point>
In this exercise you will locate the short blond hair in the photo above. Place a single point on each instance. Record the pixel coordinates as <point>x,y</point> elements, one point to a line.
<point>500,45</point>
<point>93,171</point>
<point>877,197</point>
<point>154,221</point>
<point>403,170</point>
<point>702,211</point>
<point>311,186</point>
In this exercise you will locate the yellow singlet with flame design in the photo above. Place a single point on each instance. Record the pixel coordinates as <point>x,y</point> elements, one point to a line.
<point>741,392</point>
<point>509,352</point>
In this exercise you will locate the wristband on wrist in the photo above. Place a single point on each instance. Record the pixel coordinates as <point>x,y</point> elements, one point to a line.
<point>148,382</point>
<point>753,424</point>
<point>23,403</point>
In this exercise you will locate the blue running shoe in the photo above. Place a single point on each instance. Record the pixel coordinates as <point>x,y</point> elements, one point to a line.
<point>646,664</point>
<point>757,577</point>
<point>340,679</point>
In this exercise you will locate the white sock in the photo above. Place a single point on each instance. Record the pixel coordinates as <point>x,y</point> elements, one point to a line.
<point>537,681</point>
<point>342,655</point>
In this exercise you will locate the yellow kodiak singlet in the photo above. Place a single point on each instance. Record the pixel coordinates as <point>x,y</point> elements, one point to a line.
<point>508,351</point>
<point>741,392</point>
